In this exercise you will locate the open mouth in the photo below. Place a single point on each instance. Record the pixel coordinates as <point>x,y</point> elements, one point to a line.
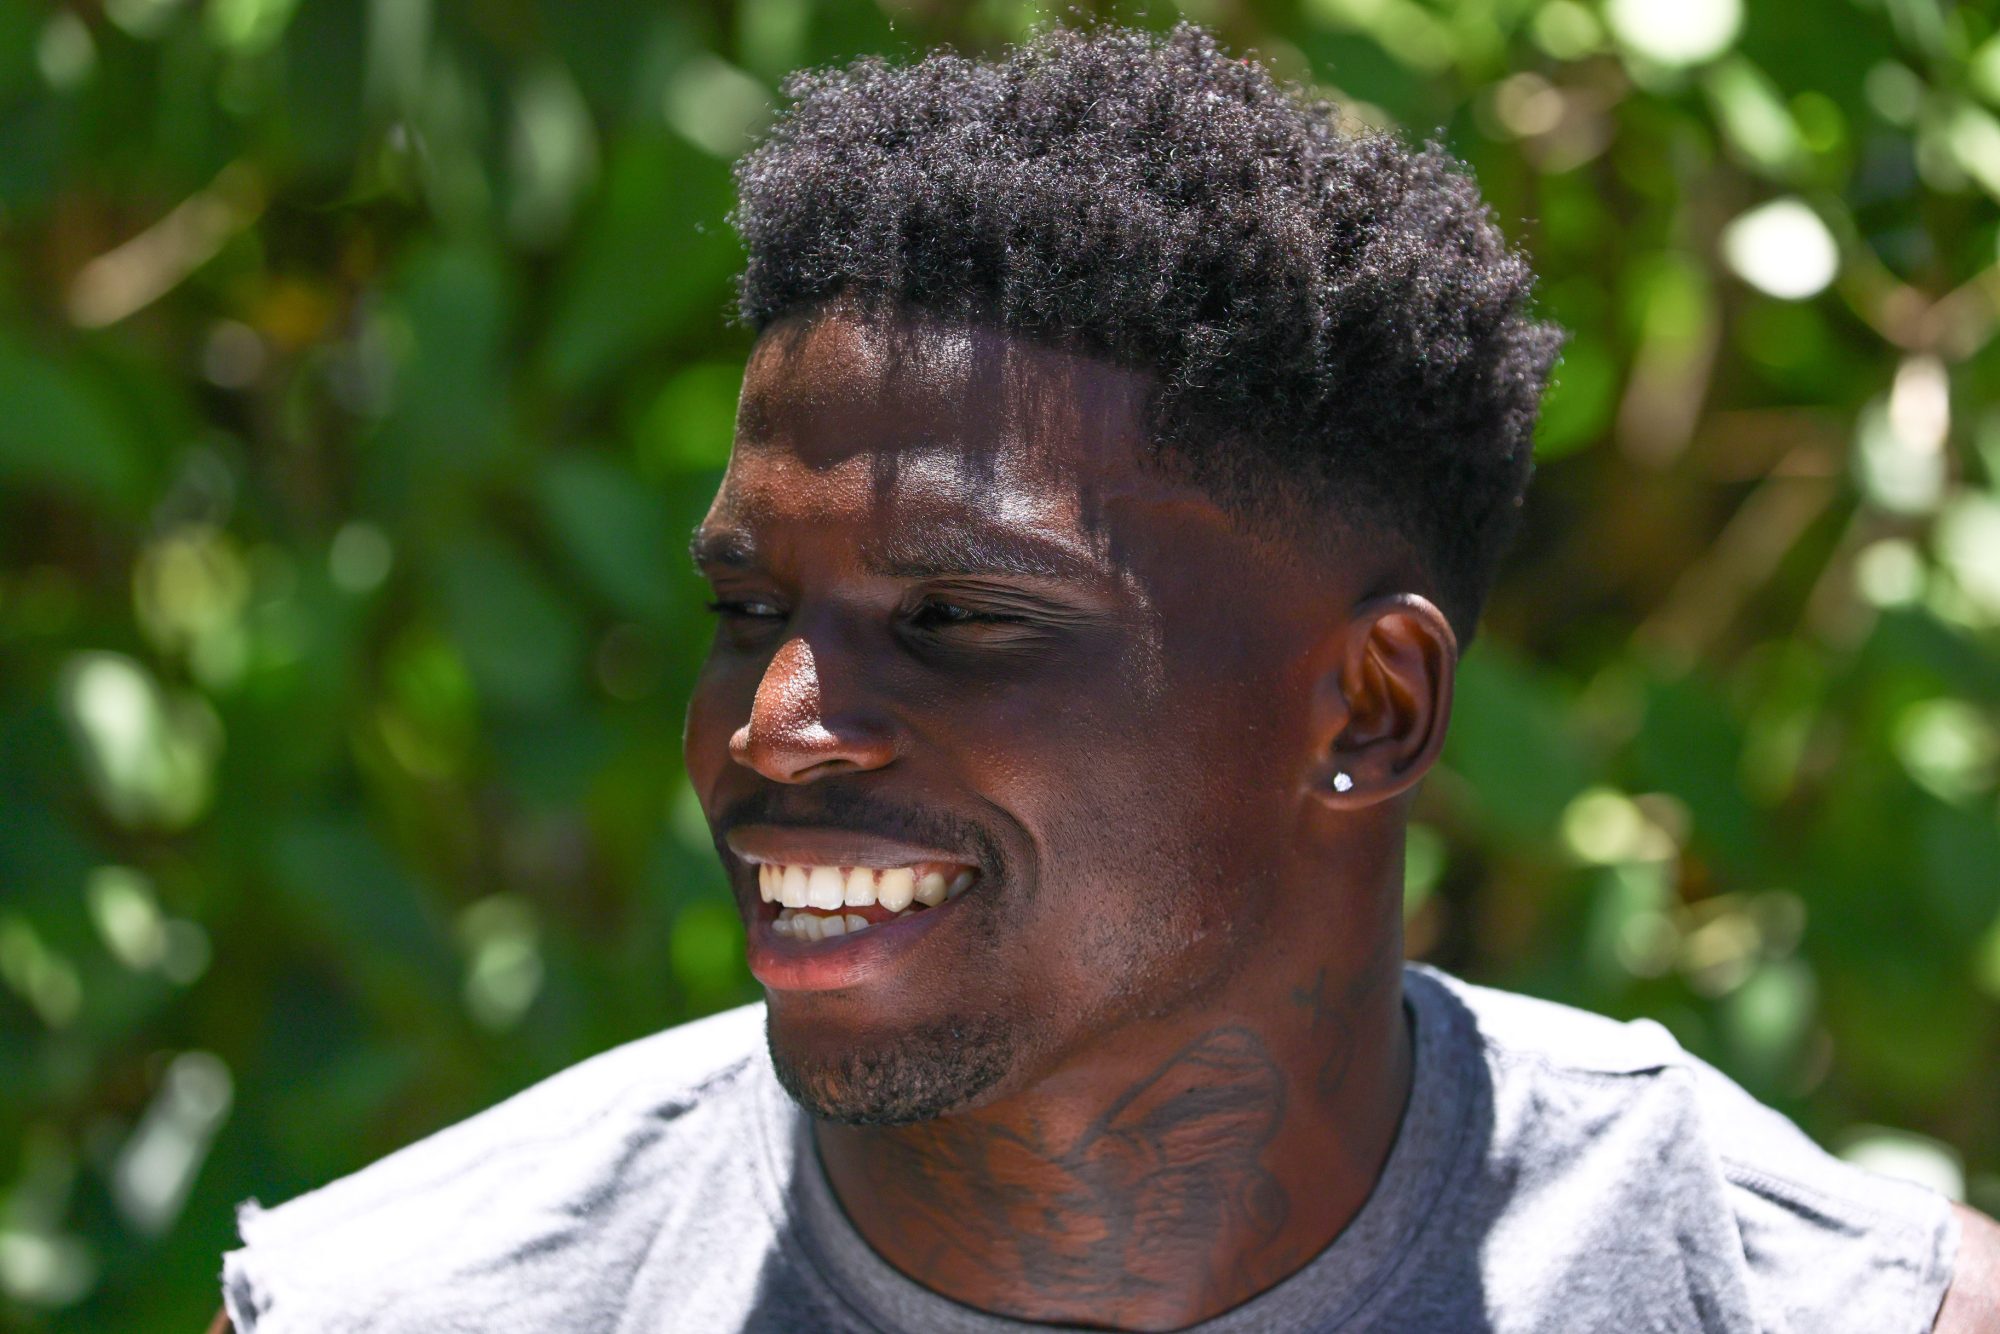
<point>821,902</point>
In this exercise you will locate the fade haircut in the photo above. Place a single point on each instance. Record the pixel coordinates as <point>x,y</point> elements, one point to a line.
<point>1336,327</point>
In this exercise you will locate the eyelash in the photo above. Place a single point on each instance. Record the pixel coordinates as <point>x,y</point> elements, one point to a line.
<point>928,614</point>
<point>726,608</point>
<point>931,613</point>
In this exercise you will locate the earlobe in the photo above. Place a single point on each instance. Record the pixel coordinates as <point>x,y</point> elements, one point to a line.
<point>1380,708</point>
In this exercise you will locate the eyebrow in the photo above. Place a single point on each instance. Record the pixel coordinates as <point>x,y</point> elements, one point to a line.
<point>940,552</point>
<point>729,548</point>
<point>945,551</point>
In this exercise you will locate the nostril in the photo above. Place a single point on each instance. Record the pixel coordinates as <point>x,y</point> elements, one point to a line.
<point>802,754</point>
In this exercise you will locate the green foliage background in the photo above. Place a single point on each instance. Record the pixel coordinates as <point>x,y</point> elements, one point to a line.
<point>364,365</point>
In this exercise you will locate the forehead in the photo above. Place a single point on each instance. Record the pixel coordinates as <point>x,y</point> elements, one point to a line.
<point>842,383</point>
<point>937,424</point>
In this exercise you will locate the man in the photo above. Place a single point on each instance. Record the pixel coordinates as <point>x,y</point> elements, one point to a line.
<point>1121,465</point>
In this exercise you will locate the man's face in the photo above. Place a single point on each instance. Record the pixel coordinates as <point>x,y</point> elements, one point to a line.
<point>982,664</point>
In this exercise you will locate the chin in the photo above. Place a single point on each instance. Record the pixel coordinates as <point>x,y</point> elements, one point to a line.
<point>894,1079</point>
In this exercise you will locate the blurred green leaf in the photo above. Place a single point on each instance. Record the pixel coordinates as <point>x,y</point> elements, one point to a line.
<point>1513,742</point>
<point>445,328</point>
<point>691,422</point>
<point>1959,875</point>
<point>521,643</point>
<point>63,430</point>
<point>346,884</point>
<point>1580,401</point>
<point>1755,118</point>
<point>614,531</point>
<point>388,495</point>
<point>1766,1020</point>
<point>1690,746</point>
<point>655,250</point>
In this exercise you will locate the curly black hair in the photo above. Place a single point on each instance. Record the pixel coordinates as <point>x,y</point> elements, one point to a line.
<point>1335,323</point>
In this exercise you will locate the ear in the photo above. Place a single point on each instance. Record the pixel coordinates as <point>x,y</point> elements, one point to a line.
<point>1379,709</point>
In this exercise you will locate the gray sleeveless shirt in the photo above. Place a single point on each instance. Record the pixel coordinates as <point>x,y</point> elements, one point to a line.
<point>1554,1171</point>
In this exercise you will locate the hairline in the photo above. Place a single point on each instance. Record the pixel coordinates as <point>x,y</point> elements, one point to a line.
<point>1317,532</point>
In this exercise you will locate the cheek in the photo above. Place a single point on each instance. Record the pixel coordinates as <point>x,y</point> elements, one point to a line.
<point>1150,811</point>
<point>718,705</point>
<point>1221,763</point>
<point>1155,899</point>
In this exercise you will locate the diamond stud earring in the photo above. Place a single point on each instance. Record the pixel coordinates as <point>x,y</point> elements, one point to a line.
<point>1341,781</point>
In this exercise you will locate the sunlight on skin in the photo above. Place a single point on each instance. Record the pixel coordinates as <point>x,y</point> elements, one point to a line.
<point>1093,1008</point>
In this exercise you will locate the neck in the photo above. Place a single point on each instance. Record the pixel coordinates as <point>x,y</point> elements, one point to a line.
<point>1158,1181</point>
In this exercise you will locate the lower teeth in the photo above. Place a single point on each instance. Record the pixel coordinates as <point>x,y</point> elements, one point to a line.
<point>815,926</point>
<point>803,924</point>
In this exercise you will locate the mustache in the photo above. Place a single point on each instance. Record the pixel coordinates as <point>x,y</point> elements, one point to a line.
<point>831,805</point>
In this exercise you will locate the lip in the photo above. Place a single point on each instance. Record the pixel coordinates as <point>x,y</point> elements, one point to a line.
<point>782,844</point>
<point>786,963</point>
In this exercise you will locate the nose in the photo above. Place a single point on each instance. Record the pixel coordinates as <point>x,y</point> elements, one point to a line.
<point>790,737</point>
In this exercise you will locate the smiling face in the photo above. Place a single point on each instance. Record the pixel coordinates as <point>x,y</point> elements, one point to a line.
<point>1000,734</point>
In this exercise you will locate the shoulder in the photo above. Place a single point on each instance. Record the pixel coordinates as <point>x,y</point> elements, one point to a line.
<point>656,1080</point>
<point>1679,1164</point>
<point>1972,1306</point>
<point>553,1174</point>
<point>1519,1029</point>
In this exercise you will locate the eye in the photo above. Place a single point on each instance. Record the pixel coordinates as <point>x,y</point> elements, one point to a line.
<point>936,614</point>
<point>747,609</point>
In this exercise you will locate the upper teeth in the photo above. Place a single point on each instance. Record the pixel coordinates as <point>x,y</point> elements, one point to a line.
<point>829,887</point>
